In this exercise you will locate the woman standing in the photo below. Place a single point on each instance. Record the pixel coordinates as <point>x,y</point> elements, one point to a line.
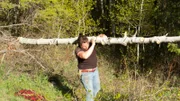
<point>87,66</point>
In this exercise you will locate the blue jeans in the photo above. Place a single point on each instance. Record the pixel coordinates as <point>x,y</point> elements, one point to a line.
<point>91,83</point>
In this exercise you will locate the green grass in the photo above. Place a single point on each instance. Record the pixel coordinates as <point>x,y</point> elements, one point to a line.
<point>61,63</point>
<point>39,83</point>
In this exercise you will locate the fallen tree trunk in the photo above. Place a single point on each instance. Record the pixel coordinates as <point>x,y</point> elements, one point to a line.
<point>108,40</point>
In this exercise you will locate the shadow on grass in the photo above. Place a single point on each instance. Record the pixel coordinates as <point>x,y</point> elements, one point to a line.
<point>70,89</point>
<point>61,83</point>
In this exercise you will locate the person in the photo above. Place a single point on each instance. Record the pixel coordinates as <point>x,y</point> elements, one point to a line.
<point>87,66</point>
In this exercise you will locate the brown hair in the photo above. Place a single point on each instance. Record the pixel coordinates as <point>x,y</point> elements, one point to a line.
<point>82,39</point>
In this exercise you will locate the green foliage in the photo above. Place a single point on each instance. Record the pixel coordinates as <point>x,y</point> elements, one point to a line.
<point>129,15</point>
<point>6,5</point>
<point>2,70</point>
<point>52,18</point>
<point>173,48</point>
<point>65,18</point>
<point>166,16</point>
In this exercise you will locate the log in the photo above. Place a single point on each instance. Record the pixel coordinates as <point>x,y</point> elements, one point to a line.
<point>103,40</point>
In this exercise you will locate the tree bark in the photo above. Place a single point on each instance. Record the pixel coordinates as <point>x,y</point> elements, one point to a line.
<point>108,40</point>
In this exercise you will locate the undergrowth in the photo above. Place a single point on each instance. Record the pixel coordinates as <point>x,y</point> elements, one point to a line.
<point>53,74</point>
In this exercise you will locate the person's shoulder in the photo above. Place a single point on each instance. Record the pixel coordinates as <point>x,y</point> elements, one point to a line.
<point>78,49</point>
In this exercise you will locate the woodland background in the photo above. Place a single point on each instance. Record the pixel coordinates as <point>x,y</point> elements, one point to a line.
<point>133,72</point>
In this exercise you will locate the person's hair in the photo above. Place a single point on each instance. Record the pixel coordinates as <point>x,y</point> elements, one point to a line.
<point>82,39</point>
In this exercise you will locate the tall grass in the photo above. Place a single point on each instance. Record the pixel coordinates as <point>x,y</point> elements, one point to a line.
<point>61,66</point>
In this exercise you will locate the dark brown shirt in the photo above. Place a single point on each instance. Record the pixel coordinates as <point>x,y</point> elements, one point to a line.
<point>89,63</point>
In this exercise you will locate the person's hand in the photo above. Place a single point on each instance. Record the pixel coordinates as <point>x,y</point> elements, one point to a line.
<point>102,36</point>
<point>93,41</point>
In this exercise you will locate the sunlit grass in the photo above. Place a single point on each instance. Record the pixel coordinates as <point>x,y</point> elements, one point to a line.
<point>61,63</point>
<point>39,83</point>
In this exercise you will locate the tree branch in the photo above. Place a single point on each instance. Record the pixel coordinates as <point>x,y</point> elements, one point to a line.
<point>13,25</point>
<point>20,51</point>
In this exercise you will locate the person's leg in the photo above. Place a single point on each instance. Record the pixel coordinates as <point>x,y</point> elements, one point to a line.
<point>86,79</point>
<point>96,83</point>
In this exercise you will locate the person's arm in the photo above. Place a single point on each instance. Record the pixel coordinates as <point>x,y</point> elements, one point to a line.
<point>86,54</point>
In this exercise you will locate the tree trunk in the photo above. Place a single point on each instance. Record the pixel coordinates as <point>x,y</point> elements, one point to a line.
<point>108,40</point>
